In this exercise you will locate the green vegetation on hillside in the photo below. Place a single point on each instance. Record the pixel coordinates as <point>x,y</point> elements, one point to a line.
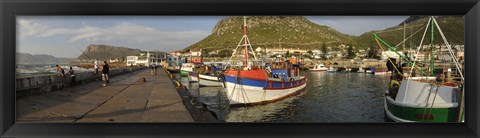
<point>452,27</point>
<point>271,31</point>
<point>299,32</point>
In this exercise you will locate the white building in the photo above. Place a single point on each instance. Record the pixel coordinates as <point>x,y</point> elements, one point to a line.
<point>147,58</point>
<point>274,51</point>
<point>173,60</point>
<point>196,53</point>
<point>390,54</point>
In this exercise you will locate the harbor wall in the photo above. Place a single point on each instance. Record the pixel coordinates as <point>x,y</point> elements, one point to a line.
<point>26,86</point>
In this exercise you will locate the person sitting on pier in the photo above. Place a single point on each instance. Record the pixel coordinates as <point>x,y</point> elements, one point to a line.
<point>60,71</point>
<point>105,71</point>
<point>72,76</point>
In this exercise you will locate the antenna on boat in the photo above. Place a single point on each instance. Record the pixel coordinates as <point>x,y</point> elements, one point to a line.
<point>246,45</point>
<point>245,35</point>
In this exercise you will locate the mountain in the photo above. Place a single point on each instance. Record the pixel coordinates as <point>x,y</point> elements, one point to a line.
<point>105,52</point>
<point>299,32</point>
<point>271,31</point>
<point>25,58</point>
<point>452,26</point>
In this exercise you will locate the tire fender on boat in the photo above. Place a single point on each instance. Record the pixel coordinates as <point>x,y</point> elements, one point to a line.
<point>275,75</point>
<point>220,77</point>
<point>291,79</point>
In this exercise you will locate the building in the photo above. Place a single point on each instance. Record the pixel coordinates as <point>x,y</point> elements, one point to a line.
<point>195,56</point>
<point>282,51</point>
<point>389,54</point>
<point>173,60</point>
<point>147,58</point>
<point>175,53</point>
<point>114,60</point>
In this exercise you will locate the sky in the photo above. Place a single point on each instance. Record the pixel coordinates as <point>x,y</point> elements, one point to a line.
<point>68,36</point>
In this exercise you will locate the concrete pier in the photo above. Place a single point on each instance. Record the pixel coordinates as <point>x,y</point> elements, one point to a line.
<point>127,99</point>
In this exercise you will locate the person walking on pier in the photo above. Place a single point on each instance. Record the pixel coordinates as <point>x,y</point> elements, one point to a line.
<point>153,69</point>
<point>72,76</point>
<point>96,65</point>
<point>105,71</point>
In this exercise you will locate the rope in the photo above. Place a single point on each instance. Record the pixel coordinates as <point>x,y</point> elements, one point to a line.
<point>398,72</point>
<point>428,99</point>
<point>431,107</point>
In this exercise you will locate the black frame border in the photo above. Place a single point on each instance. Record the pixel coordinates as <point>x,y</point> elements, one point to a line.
<point>9,9</point>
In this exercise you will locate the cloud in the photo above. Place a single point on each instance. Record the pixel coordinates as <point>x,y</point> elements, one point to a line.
<point>123,32</point>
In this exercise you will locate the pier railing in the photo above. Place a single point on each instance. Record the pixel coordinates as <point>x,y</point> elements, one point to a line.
<point>46,83</point>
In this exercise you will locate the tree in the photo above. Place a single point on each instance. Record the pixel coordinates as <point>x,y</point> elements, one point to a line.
<point>324,51</point>
<point>310,52</point>
<point>350,53</point>
<point>224,53</point>
<point>373,53</point>
<point>205,52</point>
<point>287,54</point>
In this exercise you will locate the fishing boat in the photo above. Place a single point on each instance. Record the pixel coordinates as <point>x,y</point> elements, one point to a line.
<point>331,69</point>
<point>186,67</point>
<point>173,69</point>
<point>319,68</point>
<point>210,81</point>
<point>210,75</point>
<point>249,83</point>
<point>361,70</point>
<point>427,95</point>
<point>193,77</point>
<point>376,71</point>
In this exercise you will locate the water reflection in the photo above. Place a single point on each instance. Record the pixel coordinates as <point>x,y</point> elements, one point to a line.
<point>328,97</point>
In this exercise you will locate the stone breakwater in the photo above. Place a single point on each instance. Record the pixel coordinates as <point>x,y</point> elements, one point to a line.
<point>26,86</point>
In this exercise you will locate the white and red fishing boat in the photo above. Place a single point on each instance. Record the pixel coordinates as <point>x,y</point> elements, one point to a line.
<point>249,84</point>
<point>319,68</point>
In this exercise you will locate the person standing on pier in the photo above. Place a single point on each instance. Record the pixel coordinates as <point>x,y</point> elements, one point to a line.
<point>155,67</point>
<point>151,69</point>
<point>96,65</point>
<point>61,73</point>
<point>131,68</point>
<point>72,76</point>
<point>105,71</point>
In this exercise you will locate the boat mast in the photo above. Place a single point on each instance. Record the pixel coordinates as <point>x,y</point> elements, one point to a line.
<point>404,34</point>
<point>245,61</point>
<point>431,48</point>
<point>245,45</point>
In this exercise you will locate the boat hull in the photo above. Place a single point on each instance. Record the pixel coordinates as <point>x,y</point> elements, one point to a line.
<point>248,91</point>
<point>173,70</point>
<point>400,113</point>
<point>209,81</point>
<point>243,94</point>
<point>417,101</point>
<point>184,72</point>
<point>319,70</point>
<point>193,77</point>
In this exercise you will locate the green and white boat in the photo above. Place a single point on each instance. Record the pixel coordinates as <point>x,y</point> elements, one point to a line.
<point>186,67</point>
<point>431,96</point>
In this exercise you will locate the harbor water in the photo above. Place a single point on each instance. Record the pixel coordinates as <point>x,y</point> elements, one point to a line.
<point>328,97</point>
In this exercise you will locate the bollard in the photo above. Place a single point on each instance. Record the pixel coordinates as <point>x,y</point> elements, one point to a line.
<point>178,84</point>
<point>143,80</point>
